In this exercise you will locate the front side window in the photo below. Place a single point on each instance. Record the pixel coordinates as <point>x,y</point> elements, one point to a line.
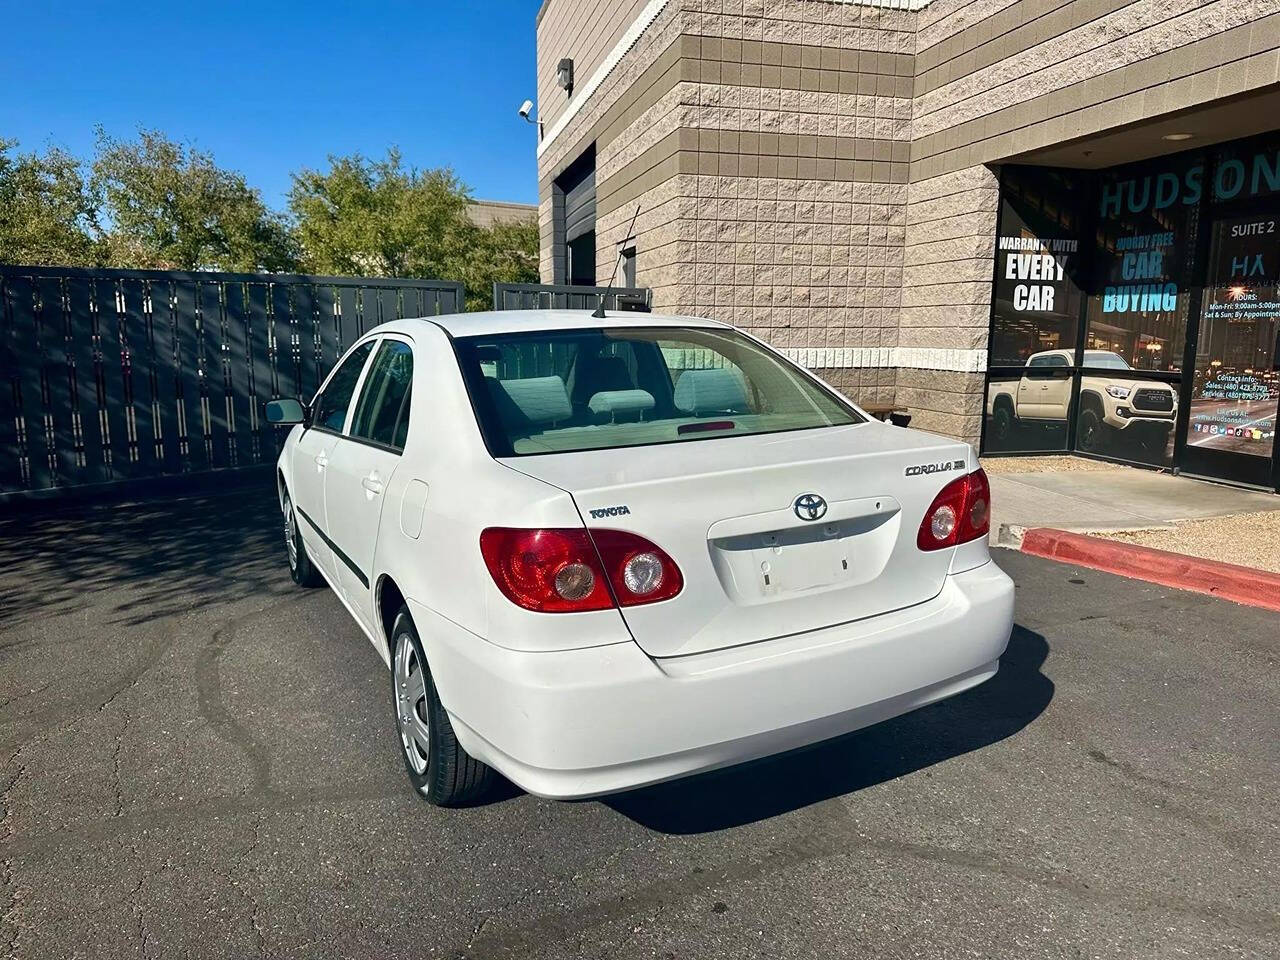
<point>570,390</point>
<point>1048,360</point>
<point>1104,359</point>
<point>382,414</point>
<point>329,410</point>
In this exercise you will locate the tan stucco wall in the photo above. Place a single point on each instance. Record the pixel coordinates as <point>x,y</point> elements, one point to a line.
<point>823,172</point>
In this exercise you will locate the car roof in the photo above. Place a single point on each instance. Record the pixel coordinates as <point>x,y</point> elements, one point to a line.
<point>526,321</point>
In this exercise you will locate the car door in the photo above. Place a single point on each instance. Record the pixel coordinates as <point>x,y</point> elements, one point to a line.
<point>1055,393</point>
<point>1035,386</point>
<point>329,411</point>
<point>361,466</point>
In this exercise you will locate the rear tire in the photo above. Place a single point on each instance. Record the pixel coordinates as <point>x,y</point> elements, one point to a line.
<point>301,568</point>
<point>440,770</point>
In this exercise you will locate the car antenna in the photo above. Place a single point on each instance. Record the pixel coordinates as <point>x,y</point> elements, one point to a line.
<point>599,311</point>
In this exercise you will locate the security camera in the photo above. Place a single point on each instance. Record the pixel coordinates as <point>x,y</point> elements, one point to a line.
<point>525,109</point>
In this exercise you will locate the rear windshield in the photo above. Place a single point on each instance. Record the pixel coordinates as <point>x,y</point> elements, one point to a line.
<point>556,391</point>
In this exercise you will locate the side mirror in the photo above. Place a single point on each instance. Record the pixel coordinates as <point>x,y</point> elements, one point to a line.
<point>286,411</point>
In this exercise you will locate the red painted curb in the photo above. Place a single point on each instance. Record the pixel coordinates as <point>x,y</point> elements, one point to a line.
<point>1254,588</point>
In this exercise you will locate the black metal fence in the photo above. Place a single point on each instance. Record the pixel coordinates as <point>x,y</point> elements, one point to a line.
<point>119,375</point>
<point>545,296</point>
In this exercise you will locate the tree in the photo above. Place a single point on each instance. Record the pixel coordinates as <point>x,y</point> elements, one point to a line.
<point>501,253</point>
<point>47,213</point>
<point>170,206</point>
<point>377,218</point>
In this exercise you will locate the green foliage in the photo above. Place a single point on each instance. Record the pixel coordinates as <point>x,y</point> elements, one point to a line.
<point>172,207</point>
<point>377,218</point>
<point>47,213</point>
<point>502,253</point>
<point>155,203</point>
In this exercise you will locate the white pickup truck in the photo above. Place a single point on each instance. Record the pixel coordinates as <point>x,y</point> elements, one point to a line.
<point>1111,406</point>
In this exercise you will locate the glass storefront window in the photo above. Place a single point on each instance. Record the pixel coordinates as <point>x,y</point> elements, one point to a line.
<point>1037,288</point>
<point>1144,257</point>
<point>1027,412</point>
<point>1121,413</point>
<point>1236,386</point>
<point>1246,172</point>
<point>1101,276</point>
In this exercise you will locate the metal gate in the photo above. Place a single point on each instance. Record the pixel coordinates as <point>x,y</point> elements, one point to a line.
<point>548,296</point>
<point>119,375</point>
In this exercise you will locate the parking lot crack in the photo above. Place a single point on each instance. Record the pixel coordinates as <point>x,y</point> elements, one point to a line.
<point>8,882</point>
<point>25,694</point>
<point>251,897</point>
<point>10,919</point>
<point>135,898</point>
<point>115,763</point>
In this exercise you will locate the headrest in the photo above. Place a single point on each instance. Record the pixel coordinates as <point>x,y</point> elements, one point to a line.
<point>601,374</point>
<point>613,404</point>
<point>711,391</point>
<point>535,399</point>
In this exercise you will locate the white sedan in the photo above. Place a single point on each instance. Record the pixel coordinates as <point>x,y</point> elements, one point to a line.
<point>602,553</point>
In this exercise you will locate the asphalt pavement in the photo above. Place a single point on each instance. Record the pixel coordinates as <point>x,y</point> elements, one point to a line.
<point>198,760</point>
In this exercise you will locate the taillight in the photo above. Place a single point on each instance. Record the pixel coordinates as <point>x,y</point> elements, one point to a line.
<point>559,570</point>
<point>959,513</point>
<point>640,571</point>
<point>550,570</point>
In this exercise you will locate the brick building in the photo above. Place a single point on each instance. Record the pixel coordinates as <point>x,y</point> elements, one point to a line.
<point>829,174</point>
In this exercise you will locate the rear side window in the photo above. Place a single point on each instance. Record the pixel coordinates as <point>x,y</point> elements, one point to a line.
<point>330,408</point>
<point>382,415</point>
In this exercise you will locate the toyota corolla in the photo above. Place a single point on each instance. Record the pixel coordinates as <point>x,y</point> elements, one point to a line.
<point>597,553</point>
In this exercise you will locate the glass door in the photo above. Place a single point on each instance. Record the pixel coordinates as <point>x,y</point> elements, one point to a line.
<point>1235,393</point>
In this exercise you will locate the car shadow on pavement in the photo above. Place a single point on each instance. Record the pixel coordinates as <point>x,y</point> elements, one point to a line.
<point>755,791</point>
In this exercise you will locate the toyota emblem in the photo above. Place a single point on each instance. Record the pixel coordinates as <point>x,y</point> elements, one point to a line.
<point>810,506</point>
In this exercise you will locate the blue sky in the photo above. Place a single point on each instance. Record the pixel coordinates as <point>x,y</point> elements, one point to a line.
<point>271,87</point>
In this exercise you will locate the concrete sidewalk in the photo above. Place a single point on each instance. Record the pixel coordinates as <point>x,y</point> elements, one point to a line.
<point>1104,498</point>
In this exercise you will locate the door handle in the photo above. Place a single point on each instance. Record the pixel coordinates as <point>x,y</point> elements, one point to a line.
<point>322,460</point>
<point>372,483</point>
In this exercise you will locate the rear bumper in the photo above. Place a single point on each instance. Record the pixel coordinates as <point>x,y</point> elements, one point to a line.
<point>583,722</point>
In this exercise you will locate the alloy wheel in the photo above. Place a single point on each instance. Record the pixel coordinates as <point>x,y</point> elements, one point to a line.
<point>290,536</point>
<point>411,705</point>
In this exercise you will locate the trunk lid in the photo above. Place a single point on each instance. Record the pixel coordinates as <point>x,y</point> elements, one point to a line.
<point>754,569</point>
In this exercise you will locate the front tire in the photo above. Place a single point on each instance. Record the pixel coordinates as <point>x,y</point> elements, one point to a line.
<point>439,769</point>
<point>1090,431</point>
<point>301,568</point>
<point>1002,424</point>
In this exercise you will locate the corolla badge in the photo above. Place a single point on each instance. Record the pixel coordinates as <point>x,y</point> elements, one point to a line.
<point>810,506</point>
<point>927,468</point>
